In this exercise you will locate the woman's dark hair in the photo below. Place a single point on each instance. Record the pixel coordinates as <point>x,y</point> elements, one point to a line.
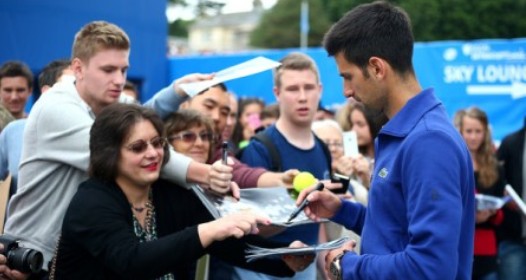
<point>270,111</point>
<point>374,119</point>
<point>184,119</point>
<point>109,131</point>
<point>237,133</point>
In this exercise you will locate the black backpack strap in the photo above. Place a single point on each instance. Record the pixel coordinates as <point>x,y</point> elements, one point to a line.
<point>275,159</point>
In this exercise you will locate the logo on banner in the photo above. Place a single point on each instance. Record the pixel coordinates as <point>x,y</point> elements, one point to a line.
<point>486,71</point>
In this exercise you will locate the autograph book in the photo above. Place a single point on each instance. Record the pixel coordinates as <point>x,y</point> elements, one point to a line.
<point>489,202</point>
<point>274,203</point>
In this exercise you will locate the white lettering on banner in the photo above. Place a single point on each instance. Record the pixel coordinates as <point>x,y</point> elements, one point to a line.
<point>501,73</point>
<point>516,90</point>
<point>458,74</point>
<point>499,55</point>
<point>478,52</point>
<point>485,74</point>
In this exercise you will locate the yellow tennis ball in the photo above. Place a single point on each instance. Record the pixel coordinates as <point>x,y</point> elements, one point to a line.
<point>303,180</point>
<point>243,144</point>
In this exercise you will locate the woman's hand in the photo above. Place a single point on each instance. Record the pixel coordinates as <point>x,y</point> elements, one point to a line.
<point>484,215</point>
<point>298,262</point>
<point>362,169</point>
<point>343,165</point>
<point>235,225</point>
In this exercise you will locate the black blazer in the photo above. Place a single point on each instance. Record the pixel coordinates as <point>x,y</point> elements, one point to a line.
<point>511,154</point>
<point>98,241</point>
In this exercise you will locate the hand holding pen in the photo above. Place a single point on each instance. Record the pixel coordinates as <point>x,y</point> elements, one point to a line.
<point>220,176</point>
<point>234,188</point>
<point>304,202</point>
<point>224,152</point>
<point>322,204</point>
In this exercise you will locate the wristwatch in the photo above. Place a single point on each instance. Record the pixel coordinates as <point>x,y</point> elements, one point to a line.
<point>335,268</point>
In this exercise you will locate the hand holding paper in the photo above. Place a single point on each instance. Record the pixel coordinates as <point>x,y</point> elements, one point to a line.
<point>298,262</point>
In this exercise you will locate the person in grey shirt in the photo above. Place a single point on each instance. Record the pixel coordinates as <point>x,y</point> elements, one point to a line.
<point>55,154</point>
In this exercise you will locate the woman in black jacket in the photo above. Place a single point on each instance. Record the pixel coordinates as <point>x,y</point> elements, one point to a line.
<point>126,223</point>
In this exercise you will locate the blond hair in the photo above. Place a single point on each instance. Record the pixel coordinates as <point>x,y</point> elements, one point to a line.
<point>485,154</point>
<point>326,123</point>
<point>96,36</point>
<point>295,61</point>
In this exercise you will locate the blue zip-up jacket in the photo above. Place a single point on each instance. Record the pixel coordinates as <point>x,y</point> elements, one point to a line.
<point>421,215</point>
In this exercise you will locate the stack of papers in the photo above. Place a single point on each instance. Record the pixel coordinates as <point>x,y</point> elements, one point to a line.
<point>489,202</point>
<point>254,252</point>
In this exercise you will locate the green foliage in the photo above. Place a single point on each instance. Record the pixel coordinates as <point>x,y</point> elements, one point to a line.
<point>466,19</point>
<point>179,28</point>
<point>431,20</point>
<point>181,2</point>
<point>280,26</point>
<point>336,9</point>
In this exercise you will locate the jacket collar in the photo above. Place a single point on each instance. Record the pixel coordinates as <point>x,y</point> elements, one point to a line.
<point>407,118</point>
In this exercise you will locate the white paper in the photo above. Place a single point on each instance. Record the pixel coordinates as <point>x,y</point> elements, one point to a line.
<point>511,192</point>
<point>350,144</point>
<point>489,202</point>
<point>250,67</point>
<point>254,252</point>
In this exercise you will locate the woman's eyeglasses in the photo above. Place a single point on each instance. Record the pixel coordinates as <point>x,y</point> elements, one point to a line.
<point>336,145</point>
<point>141,145</point>
<point>191,137</point>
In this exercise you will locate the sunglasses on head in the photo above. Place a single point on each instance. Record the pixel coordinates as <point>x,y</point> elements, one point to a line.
<point>191,137</point>
<point>141,145</point>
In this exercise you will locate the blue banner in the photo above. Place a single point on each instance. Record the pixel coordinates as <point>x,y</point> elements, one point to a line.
<point>489,74</point>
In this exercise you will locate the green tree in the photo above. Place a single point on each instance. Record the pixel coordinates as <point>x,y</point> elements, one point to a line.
<point>280,26</point>
<point>466,19</point>
<point>336,9</point>
<point>431,19</point>
<point>179,28</point>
